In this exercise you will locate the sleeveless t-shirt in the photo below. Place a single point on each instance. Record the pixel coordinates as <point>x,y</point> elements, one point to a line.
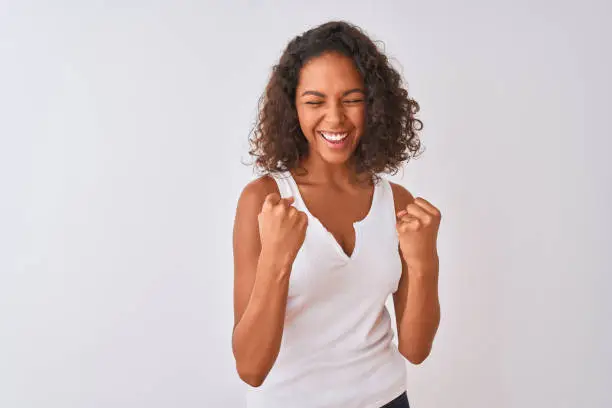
<point>336,349</point>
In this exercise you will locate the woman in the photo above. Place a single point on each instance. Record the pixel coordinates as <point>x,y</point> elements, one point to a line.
<point>321,239</point>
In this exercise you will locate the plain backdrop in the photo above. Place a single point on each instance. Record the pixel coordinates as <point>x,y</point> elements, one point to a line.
<point>123,128</point>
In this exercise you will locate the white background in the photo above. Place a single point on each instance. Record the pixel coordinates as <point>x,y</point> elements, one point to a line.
<point>122,130</point>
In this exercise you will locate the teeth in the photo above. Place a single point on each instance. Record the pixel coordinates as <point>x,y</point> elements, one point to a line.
<point>334,137</point>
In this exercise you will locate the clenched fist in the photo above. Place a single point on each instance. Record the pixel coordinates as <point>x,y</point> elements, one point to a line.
<point>282,229</point>
<point>417,227</point>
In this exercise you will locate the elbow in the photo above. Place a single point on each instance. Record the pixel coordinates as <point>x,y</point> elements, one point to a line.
<point>246,372</point>
<point>416,356</point>
<point>418,359</point>
<point>254,380</point>
<point>253,371</point>
<point>252,377</point>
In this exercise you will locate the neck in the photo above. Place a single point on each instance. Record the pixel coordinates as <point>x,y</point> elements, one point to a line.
<point>322,172</point>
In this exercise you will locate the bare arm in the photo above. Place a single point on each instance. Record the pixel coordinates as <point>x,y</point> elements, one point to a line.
<point>417,311</point>
<point>416,302</point>
<point>260,290</point>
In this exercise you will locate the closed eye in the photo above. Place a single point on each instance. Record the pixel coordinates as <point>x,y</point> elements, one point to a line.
<point>354,101</point>
<point>313,103</point>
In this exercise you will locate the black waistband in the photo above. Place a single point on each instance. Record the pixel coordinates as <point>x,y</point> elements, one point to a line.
<point>399,402</point>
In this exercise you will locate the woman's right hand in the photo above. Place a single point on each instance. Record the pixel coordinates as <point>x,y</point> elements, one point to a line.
<point>282,229</point>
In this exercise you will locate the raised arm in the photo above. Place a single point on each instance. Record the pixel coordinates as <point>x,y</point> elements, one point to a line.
<point>417,307</point>
<point>267,234</point>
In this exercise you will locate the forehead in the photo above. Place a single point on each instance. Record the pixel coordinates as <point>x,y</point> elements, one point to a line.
<point>329,73</point>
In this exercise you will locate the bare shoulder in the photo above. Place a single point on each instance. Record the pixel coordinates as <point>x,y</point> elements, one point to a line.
<point>255,192</point>
<point>249,206</point>
<point>401,196</point>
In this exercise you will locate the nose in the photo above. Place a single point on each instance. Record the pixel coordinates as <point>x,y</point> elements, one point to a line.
<point>335,114</point>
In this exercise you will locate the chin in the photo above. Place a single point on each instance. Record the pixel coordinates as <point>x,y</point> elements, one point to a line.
<point>335,157</point>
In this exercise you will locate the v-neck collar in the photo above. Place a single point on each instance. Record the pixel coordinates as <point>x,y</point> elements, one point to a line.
<point>356,225</point>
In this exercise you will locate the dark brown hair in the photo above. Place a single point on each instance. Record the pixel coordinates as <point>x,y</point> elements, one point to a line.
<point>390,135</point>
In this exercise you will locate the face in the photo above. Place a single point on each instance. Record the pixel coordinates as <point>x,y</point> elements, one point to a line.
<point>330,103</point>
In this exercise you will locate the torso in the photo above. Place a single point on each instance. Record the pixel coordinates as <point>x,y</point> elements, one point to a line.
<point>337,329</point>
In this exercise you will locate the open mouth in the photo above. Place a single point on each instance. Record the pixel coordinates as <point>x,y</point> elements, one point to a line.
<point>335,139</point>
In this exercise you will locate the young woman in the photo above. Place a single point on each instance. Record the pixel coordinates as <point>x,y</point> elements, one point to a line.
<point>321,239</point>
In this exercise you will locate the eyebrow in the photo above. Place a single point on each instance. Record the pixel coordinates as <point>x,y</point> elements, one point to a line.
<point>322,95</point>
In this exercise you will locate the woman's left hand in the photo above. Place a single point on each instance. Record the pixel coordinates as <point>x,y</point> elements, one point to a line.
<point>417,227</point>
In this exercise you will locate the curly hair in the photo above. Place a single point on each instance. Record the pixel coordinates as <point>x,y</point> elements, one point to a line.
<point>390,135</point>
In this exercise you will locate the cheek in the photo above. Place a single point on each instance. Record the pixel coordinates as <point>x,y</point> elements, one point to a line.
<point>308,121</point>
<point>357,117</point>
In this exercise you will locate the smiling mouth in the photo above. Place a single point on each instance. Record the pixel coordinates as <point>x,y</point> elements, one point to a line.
<point>334,137</point>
